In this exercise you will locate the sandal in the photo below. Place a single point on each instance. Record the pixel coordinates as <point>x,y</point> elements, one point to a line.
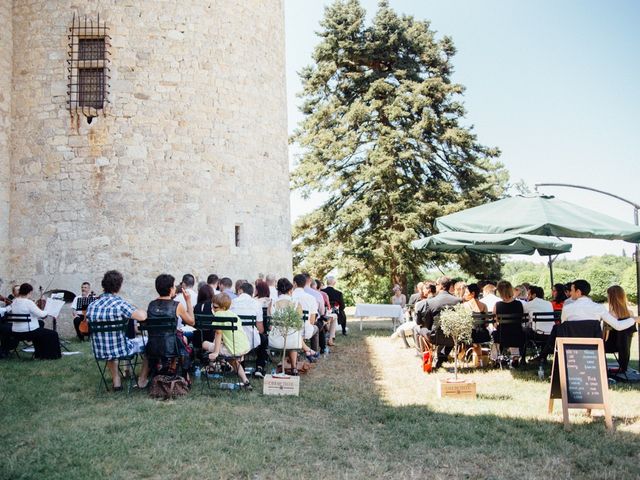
<point>246,386</point>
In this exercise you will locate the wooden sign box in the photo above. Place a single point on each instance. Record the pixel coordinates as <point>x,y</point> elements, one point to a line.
<point>281,385</point>
<point>448,388</point>
<point>579,377</point>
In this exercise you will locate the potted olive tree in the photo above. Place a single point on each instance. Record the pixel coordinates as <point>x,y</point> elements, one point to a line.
<point>287,325</point>
<point>456,322</point>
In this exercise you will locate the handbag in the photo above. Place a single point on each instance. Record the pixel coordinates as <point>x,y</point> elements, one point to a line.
<point>167,387</point>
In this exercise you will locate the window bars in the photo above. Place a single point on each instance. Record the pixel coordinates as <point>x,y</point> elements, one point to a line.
<point>88,67</point>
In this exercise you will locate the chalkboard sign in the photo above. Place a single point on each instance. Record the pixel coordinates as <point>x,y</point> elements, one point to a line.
<point>579,377</point>
<point>583,374</point>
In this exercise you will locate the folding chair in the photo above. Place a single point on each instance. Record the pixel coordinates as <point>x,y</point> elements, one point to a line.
<point>204,324</point>
<point>161,345</point>
<point>479,333</point>
<point>11,318</point>
<point>510,334</point>
<point>222,324</point>
<point>109,327</point>
<point>250,321</point>
<point>539,338</point>
<point>273,351</point>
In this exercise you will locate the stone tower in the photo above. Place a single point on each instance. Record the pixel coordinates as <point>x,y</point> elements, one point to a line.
<point>185,167</point>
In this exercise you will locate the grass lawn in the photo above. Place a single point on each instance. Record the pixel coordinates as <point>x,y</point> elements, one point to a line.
<point>366,412</point>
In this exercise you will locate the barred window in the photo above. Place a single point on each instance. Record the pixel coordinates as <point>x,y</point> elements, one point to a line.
<point>91,87</point>
<point>88,61</point>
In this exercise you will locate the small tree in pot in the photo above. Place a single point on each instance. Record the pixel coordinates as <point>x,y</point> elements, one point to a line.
<point>457,322</point>
<point>285,320</point>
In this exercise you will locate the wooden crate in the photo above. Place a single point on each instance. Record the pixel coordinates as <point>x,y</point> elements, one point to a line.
<point>277,385</point>
<point>449,388</point>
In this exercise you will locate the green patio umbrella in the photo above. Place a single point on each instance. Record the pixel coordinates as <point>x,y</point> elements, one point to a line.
<point>492,243</point>
<point>539,215</point>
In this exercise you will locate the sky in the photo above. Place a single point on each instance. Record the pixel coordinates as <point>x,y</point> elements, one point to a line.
<point>553,84</point>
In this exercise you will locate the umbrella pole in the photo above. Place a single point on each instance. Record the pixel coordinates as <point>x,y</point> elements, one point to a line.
<point>551,270</point>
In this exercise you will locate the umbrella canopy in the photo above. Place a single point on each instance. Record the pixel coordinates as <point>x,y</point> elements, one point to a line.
<point>539,215</point>
<point>492,243</point>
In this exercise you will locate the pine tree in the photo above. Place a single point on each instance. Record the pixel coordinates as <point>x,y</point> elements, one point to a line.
<point>382,138</point>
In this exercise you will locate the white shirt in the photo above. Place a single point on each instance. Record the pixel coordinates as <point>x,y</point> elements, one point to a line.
<point>539,305</point>
<point>490,301</point>
<point>22,306</point>
<point>583,308</point>
<point>306,301</point>
<point>318,297</point>
<point>273,294</point>
<point>180,299</point>
<point>4,310</point>
<point>243,304</point>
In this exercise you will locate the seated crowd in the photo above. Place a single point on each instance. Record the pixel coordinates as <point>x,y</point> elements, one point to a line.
<point>490,302</point>
<point>218,299</point>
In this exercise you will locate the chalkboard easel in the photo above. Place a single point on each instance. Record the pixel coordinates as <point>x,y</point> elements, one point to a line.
<point>579,377</point>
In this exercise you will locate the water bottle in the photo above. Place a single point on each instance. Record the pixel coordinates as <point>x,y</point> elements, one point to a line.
<point>541,372</point>
<point>228,386</point>
<point>198,372</point>
<point>214,375</point>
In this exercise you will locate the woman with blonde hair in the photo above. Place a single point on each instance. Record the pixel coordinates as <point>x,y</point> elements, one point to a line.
<point>619,340</point>
<point>509,305</point>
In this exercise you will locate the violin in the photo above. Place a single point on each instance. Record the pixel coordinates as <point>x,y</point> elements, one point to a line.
<point>41,302</point>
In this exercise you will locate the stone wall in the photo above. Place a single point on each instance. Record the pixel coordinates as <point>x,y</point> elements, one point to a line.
<point>193,143</point>
<point>6,51</point>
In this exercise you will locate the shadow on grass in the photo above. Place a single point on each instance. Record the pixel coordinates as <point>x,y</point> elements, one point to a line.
<point>340,426</point>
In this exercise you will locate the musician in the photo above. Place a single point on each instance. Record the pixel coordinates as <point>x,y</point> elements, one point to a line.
<point>80,308</point>
<point>45,342</point>
<point>4,300</point>
<point>14,293</point>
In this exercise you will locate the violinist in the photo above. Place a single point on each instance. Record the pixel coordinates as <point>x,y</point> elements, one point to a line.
<point>14,293</point>
<point>45,342</point>
<point>79,308</point>
<point>4,300</point>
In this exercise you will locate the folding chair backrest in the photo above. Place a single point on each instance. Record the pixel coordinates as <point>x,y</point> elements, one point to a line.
<point>107,326</point>
<point>545,317</point>
<point>248,320</point>
<point>510,333</point>
<point>225,323</point>
<point>580,328</point>
<point>17,318</point>
<point>480,319</point>
<point>204,321</point>
<point>159,325</point>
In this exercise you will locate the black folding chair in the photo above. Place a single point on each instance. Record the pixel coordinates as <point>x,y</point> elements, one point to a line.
<point>510,334</point>
<point>250,321</point>
<point>109,327</point>
<point>223,324</point>
<point>203,325</point>
<point>479,334</point>
<point>10,319</point>
<point>538,338</point>
<point>161,345</point>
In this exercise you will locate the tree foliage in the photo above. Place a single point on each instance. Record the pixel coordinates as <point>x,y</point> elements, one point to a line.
<point>383,139</point>
<point>600,271</point>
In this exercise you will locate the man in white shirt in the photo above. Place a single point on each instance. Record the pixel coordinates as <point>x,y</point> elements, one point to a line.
<point>583,308</point>
<point>537,304</point>
<point>309,304</point>
<point>188,282</point>
<point>489,297</point>
<point>245,304</point>
<point>212,281</point>
<point>273,291</point>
